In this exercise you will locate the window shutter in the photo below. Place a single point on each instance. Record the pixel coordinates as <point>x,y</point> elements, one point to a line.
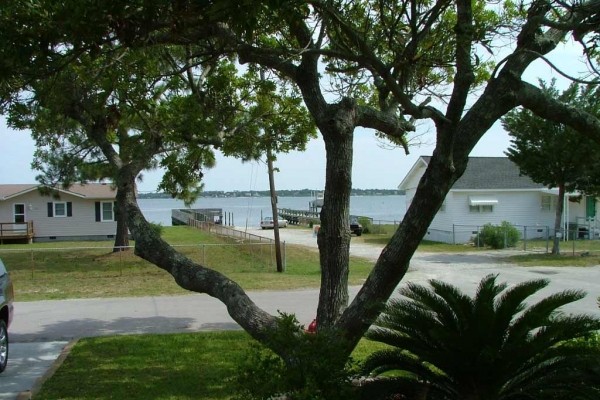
<point>114,211</point>
<point>98,211</point>
<point>69,209</point>
<point>50,210</point>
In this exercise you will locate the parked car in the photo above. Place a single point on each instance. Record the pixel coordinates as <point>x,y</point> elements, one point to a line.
<point>267,223</point>
<point>6,313</point>
<point>356,227</point>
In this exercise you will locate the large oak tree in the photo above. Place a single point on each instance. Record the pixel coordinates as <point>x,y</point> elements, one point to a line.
<point>382,65</point>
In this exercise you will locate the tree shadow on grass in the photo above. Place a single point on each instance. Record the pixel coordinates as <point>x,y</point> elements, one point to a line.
<point>90,327</point>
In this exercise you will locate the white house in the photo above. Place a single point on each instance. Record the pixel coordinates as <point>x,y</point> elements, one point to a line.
<point>80,212</point>
<point>492,190</point>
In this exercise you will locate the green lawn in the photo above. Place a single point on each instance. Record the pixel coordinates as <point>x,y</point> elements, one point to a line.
<point>173,367</point>
<point>41,271</point>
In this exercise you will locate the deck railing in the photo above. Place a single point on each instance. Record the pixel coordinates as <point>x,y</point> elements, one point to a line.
<point>16,230</point>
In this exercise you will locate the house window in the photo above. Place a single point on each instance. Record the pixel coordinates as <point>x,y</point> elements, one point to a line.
<point>549,202</point>
<point>481,209</point>
<point>19,213</point>
<point>60,209</point>
<point>482,204</point>
<point>107,211</point>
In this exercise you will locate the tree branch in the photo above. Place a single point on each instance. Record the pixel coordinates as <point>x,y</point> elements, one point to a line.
<point>551,109</point>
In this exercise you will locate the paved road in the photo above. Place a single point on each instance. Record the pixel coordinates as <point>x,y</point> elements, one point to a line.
<point>42,329</point>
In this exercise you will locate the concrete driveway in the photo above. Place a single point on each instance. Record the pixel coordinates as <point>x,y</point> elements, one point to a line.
<point>43,329</point>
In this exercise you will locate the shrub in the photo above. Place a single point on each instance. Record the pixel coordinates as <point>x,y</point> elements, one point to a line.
<point>377,229</point>
<point>315,367</point>
<point>498,236</point>
<point>491,346</point>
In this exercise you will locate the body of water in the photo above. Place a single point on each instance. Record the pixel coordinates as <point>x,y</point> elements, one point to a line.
<point>248,211</point>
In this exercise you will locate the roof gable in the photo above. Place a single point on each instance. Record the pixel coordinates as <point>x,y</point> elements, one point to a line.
<point>490,173</point>
<point>86,191</point>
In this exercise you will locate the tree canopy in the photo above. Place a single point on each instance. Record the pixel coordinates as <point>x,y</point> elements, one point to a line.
<point>381,65</point>
<point>554,154</point>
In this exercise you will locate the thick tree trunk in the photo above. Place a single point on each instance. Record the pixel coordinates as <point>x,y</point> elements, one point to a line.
<point>122,235</point>
<point>558,231</point>
<point>447,164</point>
<point>334,235</point>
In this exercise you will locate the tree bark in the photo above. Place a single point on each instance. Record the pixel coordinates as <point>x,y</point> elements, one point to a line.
<point>558,219</point>
<point>122,235</point>
<point>334,235</point>
<point>193,276</point>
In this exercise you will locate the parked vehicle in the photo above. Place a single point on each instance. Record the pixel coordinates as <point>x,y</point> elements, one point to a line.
<point>6,313</point>
<point>267,223</point>
<point>356,227</point>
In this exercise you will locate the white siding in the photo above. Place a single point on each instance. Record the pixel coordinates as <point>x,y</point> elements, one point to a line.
<point>81,223</point>
<point>520,208</point>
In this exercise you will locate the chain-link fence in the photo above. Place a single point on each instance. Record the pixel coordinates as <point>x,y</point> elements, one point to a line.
<point>532,238</point>
<point>102,261</point>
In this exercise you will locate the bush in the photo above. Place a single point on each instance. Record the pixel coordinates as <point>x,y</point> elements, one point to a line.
<point>450,346</point>
<point>498,236</point>
<point>370,227</point>
<point>315,368</point>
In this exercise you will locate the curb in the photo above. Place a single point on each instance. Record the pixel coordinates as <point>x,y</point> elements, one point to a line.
<point>28,394</point>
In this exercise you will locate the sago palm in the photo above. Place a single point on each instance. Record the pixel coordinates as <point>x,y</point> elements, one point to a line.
<point>448,345</point>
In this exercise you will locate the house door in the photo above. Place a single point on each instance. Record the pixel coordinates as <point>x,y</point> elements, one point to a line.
<point>19,213</point>
<point>590,207</point>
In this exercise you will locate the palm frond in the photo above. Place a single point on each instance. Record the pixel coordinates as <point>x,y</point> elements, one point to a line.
<point>490,346</point>
<point>512,302</point>
<point>541,314</point>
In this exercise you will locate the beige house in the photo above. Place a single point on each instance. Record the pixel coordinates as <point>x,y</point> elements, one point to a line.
<point>80,212</point>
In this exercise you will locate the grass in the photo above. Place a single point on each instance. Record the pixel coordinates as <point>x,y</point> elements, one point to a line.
<point>551,260</point>
<point>173,367</point>
<point>41,271</point>
<point>90,269</point>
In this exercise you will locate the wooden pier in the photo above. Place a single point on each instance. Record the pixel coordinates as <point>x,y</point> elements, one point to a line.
<point>299,217</point>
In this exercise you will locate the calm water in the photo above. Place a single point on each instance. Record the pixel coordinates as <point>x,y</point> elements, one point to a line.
<point>247,211</point>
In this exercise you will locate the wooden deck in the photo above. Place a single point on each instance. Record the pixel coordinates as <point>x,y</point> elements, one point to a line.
<point>16,231</point>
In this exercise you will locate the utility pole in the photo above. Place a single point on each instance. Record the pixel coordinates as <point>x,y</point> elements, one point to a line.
<point>274,210</point>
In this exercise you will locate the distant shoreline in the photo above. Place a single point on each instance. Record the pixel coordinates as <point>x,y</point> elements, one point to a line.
<point>280,193</point>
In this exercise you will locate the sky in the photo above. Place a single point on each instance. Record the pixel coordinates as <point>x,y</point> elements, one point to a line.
<point>374,166</point>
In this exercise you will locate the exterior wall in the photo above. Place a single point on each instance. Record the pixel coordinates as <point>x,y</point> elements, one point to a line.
<point>455,223</point>
<point>82,223</point>
<point>520,208</point>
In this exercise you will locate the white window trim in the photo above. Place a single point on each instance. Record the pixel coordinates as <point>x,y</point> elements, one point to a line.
<point>112,211</point>
<point>552,202</point>
<point>15,213</point>
<point>55,214</point>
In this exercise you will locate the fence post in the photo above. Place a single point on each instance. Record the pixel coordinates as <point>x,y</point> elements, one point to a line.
<point>574,239</point>
<point>284,258</point>
<point>453,234</point>
<point>203,254</point>
<point>525,238</point>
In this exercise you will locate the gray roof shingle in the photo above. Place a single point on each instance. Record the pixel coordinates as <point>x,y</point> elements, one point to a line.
<point>89,190</point>
<point>492,173</point>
